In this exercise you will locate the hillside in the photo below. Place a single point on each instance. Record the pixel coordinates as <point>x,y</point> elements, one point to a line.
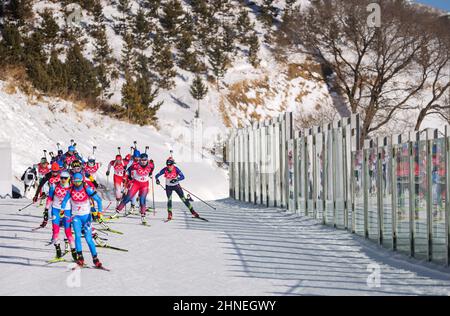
<point>33,125</point>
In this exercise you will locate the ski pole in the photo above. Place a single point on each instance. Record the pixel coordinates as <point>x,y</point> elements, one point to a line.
<point>21,209</point>
<point>146,149</point>
<point>199,198</point>
<point>118,148</point>
<point>94,148</point>
<point>58,145</point>
<point>153,196</point>
<point>45,154</point>
<point>162,187</point>
<point>135,144</point>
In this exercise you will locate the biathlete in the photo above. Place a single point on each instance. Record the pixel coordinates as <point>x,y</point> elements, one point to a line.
<point>140,175</point>
<point>173,176</point>
<point>79,196</point>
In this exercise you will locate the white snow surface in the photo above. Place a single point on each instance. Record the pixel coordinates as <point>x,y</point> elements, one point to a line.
<point>242,250</point>
<point>33,126</point>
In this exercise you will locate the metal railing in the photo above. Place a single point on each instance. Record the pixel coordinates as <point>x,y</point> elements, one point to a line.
<point>392,191</point>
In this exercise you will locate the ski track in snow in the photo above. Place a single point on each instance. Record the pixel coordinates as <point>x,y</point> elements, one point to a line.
<point>243,250</point>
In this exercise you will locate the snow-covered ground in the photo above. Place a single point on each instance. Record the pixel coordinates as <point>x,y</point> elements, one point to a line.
<point>33,126</point>
<point>243,250</point>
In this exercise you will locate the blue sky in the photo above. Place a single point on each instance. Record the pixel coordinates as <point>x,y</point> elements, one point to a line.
<point>440,4</point>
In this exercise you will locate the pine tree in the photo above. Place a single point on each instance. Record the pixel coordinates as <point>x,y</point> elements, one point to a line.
<point>152,6</point>
<point>253,43</point>
<point>228,39</point>
<point>11,50</point>
<point>268,13</point>
<point>57,72</point>
<point>172,17</point>
<point>130,96</point>
<point>49,29</point>
<point>243,23</point>
<point>141,30</point>
<point>19,11</point>
<point>124,8</point>
<point>163,62</point>
<point>198,91</point>
<point>218,60</point>
<point>82,73</point>
<point>128,57</point>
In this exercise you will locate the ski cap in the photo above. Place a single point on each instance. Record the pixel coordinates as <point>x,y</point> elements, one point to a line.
<point>91,159</point>
<point>136,153</point>
<point>44,160</point>
<point>71,148</point>
<point>128,157</point>
<point>55,167</point>
<point>118,157</point>
<point>75,164</point>
<point>77,178</point>
<point>170,161</point>
<point>65,175</point>
<point>60,152</point>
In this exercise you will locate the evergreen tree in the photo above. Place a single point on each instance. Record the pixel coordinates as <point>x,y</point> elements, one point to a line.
<point>11,50</point>
<point>141,30</point>
<point>57,73</point>
<point>152,7</point>
<point>218,59</point>
<point>243,23</point>
<point>172,17</point>
<point>128,57</point>
<point>268,13</point>
<point>19,11</point>
<point>228,36</point>
<point>138,98</point>
<point>49,29</point>
<point>253,43</point>
<point>82,73</point>
<point>124,8</point>
<point>198,91</point>
<point>163,62</point>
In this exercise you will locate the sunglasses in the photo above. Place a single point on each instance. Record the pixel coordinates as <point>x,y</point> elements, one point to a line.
<point>64,178</point>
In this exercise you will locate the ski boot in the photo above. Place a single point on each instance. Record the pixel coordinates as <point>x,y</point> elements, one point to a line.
<point>97,263</point>
<point>80,259</point>
<point>74,255</point>
<point>194,214</point>
<point>169,217</point>
<point>58,251</point>
<point>143,220</point>
<point>45,221</point>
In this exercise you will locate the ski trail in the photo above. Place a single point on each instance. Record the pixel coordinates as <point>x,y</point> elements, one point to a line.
<point>242,250</point>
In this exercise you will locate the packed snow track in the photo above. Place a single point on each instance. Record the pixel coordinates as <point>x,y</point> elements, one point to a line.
<point>243,250</point>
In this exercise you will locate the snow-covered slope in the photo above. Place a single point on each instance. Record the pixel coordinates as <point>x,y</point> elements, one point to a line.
<point>33,125</point>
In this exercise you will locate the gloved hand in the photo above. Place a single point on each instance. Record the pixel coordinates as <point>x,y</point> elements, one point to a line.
<point>173,181</point>
<point>158,182</point>
<point>95,184</point>
<point>100,218</point>
<point>35,199</point>
<point>107,173</point>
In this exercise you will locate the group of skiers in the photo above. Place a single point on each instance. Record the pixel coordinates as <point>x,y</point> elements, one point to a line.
<point>68,183</point>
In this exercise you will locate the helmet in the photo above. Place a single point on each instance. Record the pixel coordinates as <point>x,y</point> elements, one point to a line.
<point>136,154</point>
<point>170,161</point>
<point>143,159</point>
<point>71,148</point>
<point>64,175</point>
<point>75,164</point>
<point>55,167</point>
<point>118,157</point>
<point>77,179</point>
